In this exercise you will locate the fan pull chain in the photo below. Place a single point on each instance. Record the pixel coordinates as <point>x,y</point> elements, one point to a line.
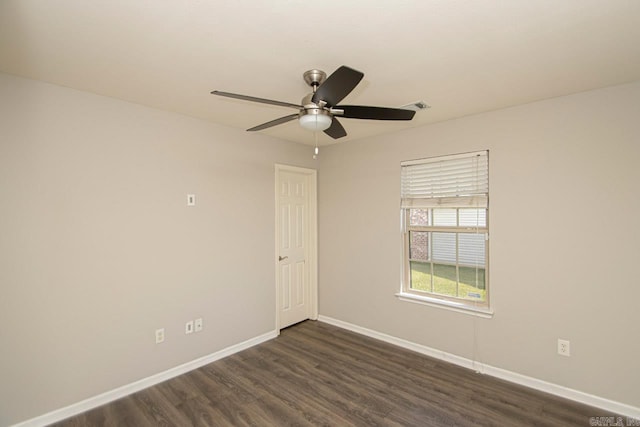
<point>315,151</point>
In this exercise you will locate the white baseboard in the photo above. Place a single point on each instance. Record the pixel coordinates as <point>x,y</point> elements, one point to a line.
<point>109,396</point>
<point>547,387</point>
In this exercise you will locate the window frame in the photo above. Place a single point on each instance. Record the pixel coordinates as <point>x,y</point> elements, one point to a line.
<point>476,307</point>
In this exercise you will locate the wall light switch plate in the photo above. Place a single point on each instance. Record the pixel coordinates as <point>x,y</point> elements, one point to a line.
<point>198,324</point>
<point>191,199</point>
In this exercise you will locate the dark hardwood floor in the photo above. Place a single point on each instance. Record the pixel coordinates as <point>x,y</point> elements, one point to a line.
<point>317,374</point>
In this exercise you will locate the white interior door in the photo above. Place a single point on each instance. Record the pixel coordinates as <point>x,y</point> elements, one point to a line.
<point>295,245</point>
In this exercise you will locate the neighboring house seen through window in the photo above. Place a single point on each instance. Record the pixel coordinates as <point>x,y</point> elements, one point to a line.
<point>445,202</point>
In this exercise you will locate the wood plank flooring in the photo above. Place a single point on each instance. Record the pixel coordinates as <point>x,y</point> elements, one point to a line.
<point>316,374</point>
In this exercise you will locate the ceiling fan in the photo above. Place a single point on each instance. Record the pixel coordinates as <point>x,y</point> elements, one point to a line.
<point>318,110</point>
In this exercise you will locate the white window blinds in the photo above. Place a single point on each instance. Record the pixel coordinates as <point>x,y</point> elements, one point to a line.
<point>460,180</point>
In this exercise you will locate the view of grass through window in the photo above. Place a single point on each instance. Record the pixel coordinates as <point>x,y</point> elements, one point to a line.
<point>445,280</point>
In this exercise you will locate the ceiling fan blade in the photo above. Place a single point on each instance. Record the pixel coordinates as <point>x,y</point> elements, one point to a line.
<point>375,113</point>
<point>336,130</point>
<point>254,99</point>
<point>275,122</point>
<point>337,86</point>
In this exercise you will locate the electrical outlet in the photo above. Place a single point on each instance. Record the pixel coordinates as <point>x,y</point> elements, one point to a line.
<point>564,348</point>
<point>159,335</point>
<point>198,324</point>
<point>188,327</point>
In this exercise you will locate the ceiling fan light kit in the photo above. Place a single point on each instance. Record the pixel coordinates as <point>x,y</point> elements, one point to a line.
<point>317,121</point>
<point>318,110</point>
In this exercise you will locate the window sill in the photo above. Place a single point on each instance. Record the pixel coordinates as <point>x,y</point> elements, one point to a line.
<point>446,305</point>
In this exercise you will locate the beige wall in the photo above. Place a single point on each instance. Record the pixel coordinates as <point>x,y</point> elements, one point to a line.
<point>98,248</point>
<point>565,239</point>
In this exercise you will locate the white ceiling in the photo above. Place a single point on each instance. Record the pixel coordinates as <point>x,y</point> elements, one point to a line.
<point>460,56</point>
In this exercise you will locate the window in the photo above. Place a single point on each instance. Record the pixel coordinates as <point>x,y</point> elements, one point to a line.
<point>444,206</point>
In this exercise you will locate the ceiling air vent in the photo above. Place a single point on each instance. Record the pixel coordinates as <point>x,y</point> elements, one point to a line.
<point>416,106</point>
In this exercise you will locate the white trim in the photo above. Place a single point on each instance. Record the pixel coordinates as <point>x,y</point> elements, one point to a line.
<point>534,383</point>
<point>446,305</point>
<point>125,390</point>
<point>312,254</point>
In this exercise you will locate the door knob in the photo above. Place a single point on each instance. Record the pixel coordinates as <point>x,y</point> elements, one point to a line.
<point>282,258</point>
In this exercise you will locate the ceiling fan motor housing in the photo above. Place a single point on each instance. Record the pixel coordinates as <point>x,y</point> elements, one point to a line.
<point>312,116</point>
